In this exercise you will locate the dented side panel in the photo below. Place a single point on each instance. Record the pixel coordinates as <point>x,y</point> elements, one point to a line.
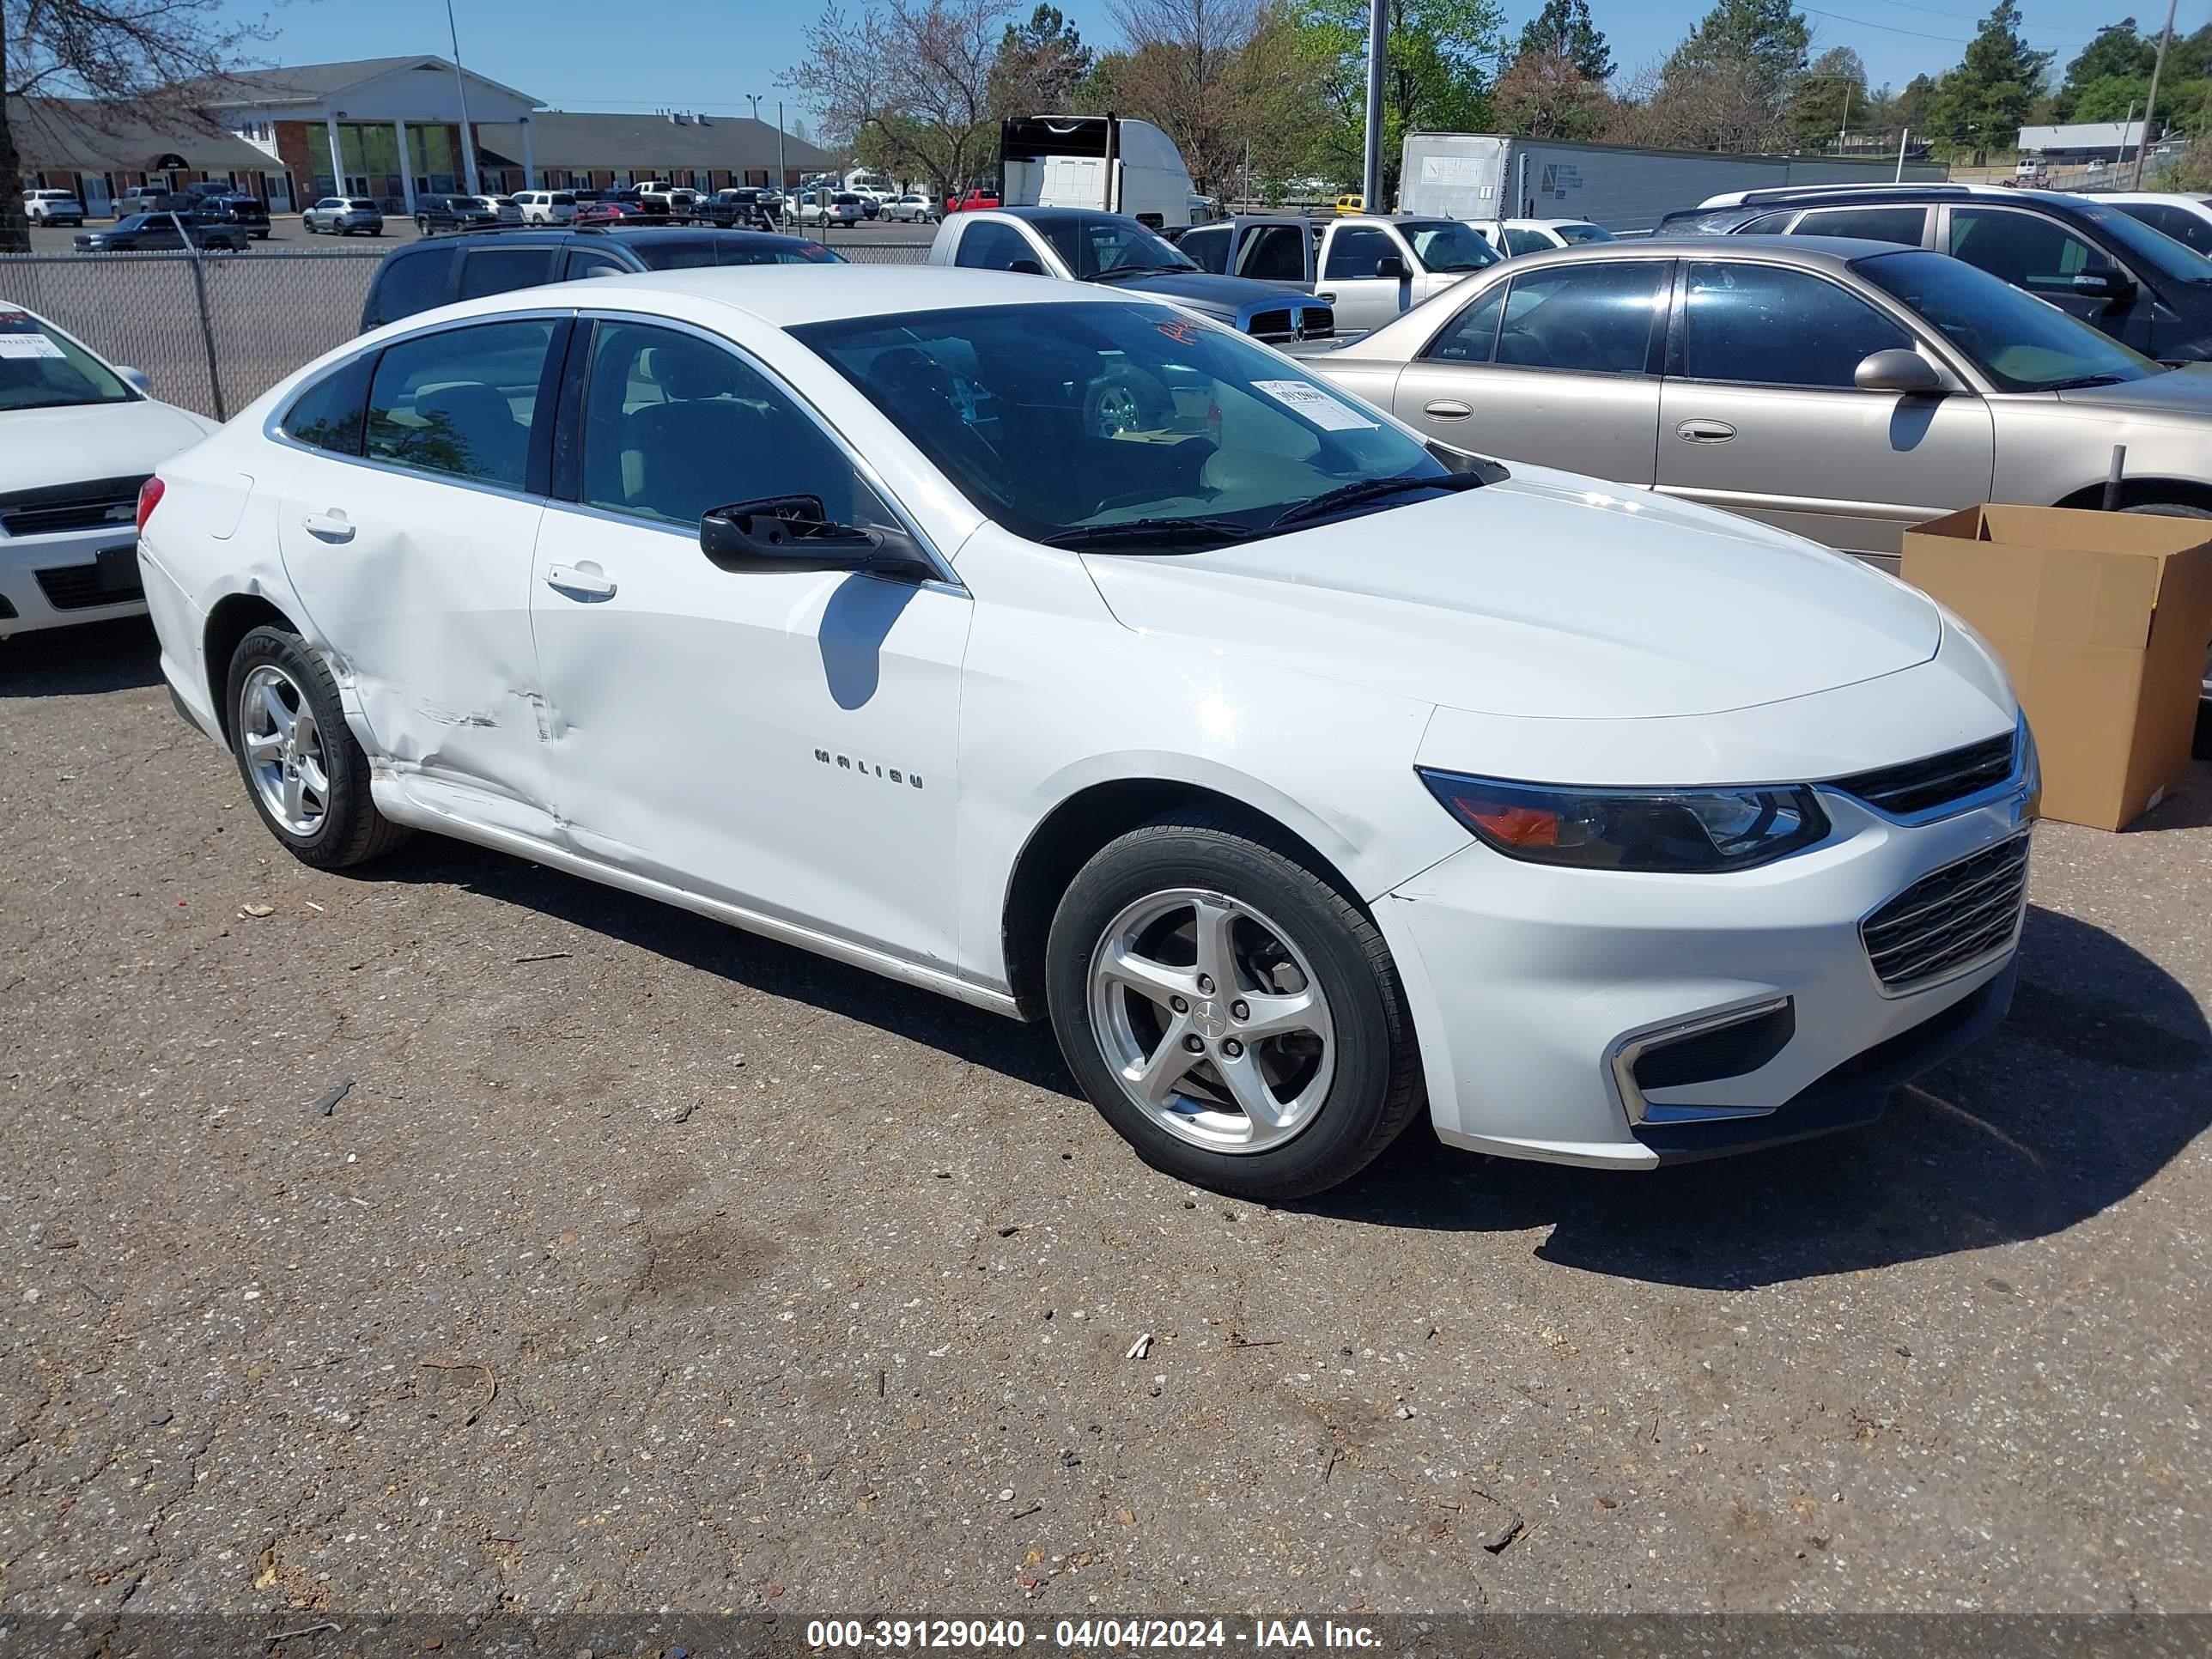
<point>419,590</point>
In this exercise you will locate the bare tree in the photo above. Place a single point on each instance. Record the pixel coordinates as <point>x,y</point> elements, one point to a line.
<point>1186,71</point>
<point>1728,105</point>
<point>139,60</point>
<point>908,84</point>
<point>1545,96</point>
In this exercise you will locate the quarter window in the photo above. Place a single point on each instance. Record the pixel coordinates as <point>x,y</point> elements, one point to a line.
<point>1473,334</point>
<point>1353,253</point>
<point>328,414</point>
<point>460,402</point>
<point>1764,326</point>
<point>2024,249</point>
<point>1207,249</point>
<point>675,425</point>
<point>1906,225</point>
<point>1593,319</point>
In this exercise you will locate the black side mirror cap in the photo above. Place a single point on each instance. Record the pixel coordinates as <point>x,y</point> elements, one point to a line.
<point>789,533</point>
<point>1391,268</point>
<point>1026,268</point>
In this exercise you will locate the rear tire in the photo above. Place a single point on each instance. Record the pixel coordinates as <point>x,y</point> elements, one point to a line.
<point>304,773</point>
<point>1326,1075</point>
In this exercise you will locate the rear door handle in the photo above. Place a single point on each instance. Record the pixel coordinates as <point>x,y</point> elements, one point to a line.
<point>1705,432</point>
<point>586,585</point>
<point>1446,409</point>
<point>329,526</point>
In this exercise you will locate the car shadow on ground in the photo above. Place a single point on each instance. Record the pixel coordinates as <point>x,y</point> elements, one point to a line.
<point>2101,1076</point>
<point>78,662</point>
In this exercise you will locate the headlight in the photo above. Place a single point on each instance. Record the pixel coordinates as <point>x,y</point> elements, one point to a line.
<point>1676,831</point>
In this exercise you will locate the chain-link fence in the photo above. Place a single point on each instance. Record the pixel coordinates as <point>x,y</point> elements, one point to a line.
<point>213,332</point>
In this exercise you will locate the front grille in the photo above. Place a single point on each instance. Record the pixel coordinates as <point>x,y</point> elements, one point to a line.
<point>1271,325</point>
<point>1922,785</point>
<point>97,503</point>
<point>1316,322</point>
<point>1947,922</point>
<point>78,587</point>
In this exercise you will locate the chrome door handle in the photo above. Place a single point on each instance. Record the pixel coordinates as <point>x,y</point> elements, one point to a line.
<point>1447,409</point>
<point>1705,432</point>
<point>586,587</point>
<point>331,526</point>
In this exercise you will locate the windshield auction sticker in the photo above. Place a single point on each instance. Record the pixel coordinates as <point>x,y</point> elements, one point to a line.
<point>21,336</point>
<point>1316,405</point>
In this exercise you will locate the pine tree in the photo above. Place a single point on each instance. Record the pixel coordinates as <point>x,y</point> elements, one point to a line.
<point>1563,29</point>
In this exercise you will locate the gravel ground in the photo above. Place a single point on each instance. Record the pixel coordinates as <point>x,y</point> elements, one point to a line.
<point>644,1265</point>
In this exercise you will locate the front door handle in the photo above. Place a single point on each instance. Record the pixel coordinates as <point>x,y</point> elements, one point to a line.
<point>1705,432</point>
<point>586,583</point>
<point>1447,409</point>
<point>331,526</point>
<point>1326,298</point>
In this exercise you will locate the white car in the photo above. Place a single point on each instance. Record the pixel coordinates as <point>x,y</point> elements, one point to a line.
<point>2186,218</point>
<point>1060,651</point>
<point>916,207</point>
<point>78,437</point>
<point>546,207</point>
<point>830,207</point>
<point>1512,236</point>
<point>52,207</point>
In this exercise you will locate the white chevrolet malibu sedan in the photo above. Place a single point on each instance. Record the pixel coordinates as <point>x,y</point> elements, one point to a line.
<point>78,436</point>
<point>1072,656</point>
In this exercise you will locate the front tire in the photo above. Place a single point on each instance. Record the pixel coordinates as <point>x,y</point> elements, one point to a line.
<point>304,773</point>
<point>1231,1011</point>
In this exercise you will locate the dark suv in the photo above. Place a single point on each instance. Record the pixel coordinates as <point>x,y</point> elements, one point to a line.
<point>2141,287</point>
<point>240,210</point>
<point>423,275</point>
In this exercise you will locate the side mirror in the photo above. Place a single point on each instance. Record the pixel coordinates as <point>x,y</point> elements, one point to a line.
<point>2104,282</point>
<point>1026,268</point>
<point>1391,268</point>
<point>137,379</point>
<point>789,532</point>
<point>1896,370</point>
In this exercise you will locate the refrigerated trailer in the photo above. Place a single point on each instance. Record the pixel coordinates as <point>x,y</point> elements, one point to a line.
<point>1484,175</point>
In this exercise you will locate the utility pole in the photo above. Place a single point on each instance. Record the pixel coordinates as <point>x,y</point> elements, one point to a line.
<point>1370,172</point>
<point>2150,101</point>
<point>460,86</point>
<point>1844,132</point>
<point>1903,138</point>
<point>782,172</point>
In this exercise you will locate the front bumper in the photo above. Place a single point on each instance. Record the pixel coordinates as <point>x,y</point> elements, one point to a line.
<point>1528,983</point>
<point>61,580</point>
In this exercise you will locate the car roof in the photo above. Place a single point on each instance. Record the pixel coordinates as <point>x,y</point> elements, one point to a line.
<point>1814,252</point>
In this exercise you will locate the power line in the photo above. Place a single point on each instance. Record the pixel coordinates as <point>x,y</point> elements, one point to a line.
<point>1918,34</point>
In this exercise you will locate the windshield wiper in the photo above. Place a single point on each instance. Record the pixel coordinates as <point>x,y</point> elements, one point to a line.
<point>1151,532</point>
<point>2080,381</point>
<point>1371,490</point>
<point>1133,271</point>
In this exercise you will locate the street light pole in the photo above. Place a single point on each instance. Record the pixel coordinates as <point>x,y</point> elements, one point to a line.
<point>2150,101</point>
<point>461,87</point>
<point>782,171</point>
<point>754,98</point>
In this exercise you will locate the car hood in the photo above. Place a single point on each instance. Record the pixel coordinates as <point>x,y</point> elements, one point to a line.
<point>1546,595</point>
<point>2178,392</point>
<point>1201,291</point>
<point>42,447</point>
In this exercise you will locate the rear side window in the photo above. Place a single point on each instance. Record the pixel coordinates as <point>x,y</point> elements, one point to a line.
<point>1207,249</point>
<point>560,198</point>
<point>991,246</point>
<point>1905,225</point>
<point>1763,326</point>
<point>2180,223</point>
<point>1276,254</point>
<point>589,262</point>
<point>2024,249</point>
<point>329,414</point>
<point>409,282</point>
<point>460,402</point>
<point>1595,319</point>
<point>502,270</point>
<point>1526,241</point>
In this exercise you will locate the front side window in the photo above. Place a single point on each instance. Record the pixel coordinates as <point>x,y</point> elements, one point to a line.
<point>1471,336</point>
<point>1120,424</point>
<point>987,244</point>
<point>504,270</point>
<point>2024,249</point>
<point>1207,249</point>
<point>41,368</point>
<point>1525,241</point>
<point>2020,344</point>
<point>1105,245</point>
<point>1276,254</point>
<point>1765,326</point>
<point>675,426</point>
<point>1593,319</point>
<point>1906,225</point>
<point>1447,244</point>
<point>459,402</point>
<point>1353,253</point>
<point>2184,226</point>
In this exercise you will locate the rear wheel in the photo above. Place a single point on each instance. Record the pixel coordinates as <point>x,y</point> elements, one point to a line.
<point>304,773</point>
<point>1231,1011</point>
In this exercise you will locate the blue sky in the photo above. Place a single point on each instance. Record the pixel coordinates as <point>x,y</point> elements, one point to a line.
<point>580,56</point>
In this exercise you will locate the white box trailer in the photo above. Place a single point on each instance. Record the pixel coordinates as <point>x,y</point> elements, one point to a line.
<point>1484,175</point>
<point>1114,163</point>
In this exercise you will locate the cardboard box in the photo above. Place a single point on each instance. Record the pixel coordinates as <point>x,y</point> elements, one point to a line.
<point>2102,619</point>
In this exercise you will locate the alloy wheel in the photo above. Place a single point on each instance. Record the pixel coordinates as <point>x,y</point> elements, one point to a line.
<point>284,752</point>
<point>1212,1020</point>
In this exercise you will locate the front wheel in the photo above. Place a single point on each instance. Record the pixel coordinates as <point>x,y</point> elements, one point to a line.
<point>304,772</point>
<point>1231,1011</point>
<point>422,224</point>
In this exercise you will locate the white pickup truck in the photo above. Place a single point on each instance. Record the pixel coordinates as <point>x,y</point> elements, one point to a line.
<point>1373,267</point>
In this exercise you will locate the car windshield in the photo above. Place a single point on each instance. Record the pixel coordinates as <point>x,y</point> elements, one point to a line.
<point>2177,261</point>
<point>1107,245</point>
<point>2021,343</point>
<point>1122,424</point>
<point>1447,244</point>
<point>140,221</point>
<point>1573,235</point>
<point>41,368</point>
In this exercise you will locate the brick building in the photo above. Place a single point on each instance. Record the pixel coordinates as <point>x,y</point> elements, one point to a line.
<point>97,154</point>
<point>588,151</point>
